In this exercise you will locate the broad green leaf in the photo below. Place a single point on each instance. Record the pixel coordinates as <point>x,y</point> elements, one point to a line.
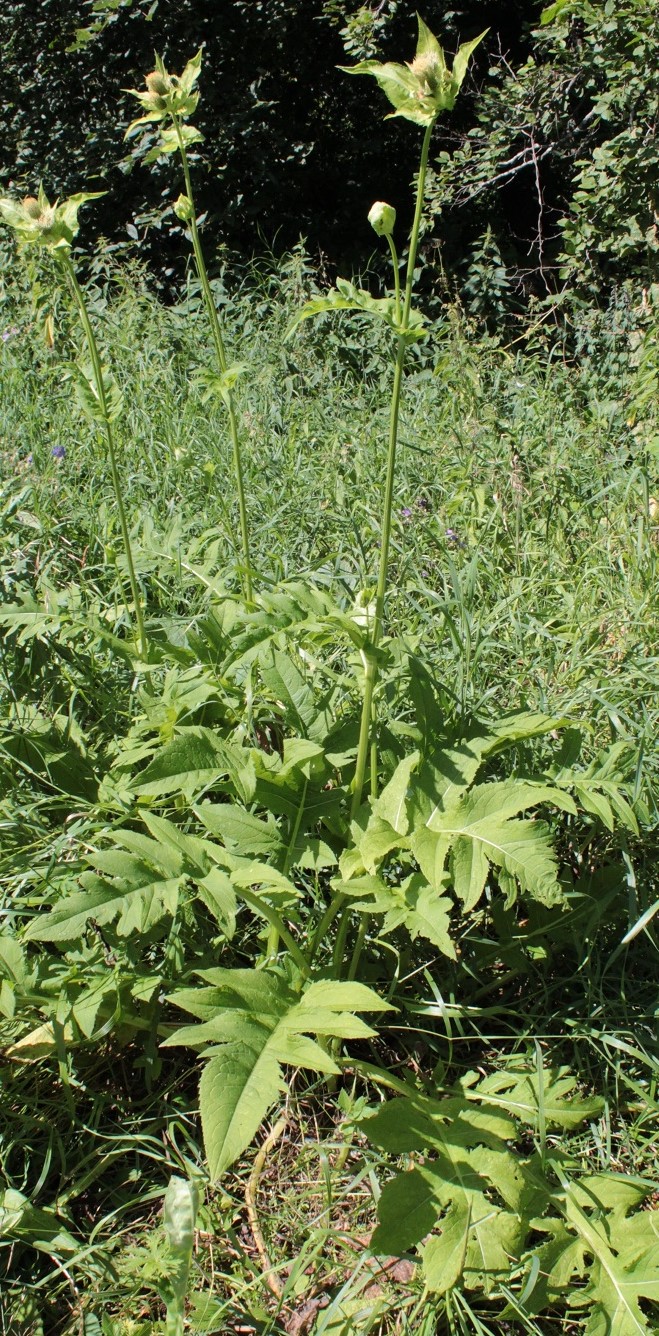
<point>12,959</point>
<point>441,781</point>
<point>219,383</point>
<point>519,1095</point>
<point>408,1208</point>
<point>346,297</point>
<point>469,869</point>
<point>376,841</point>
<point>289,685</point>
<point>196,853</point>
<point>430,850</point>
<point>235,1092</point>
<point>428,915</point>
<point>520,726</point>
<point>216,892</point>
<point>618,1280</point>
<point>254,1022</point>
<point>106,409</point>
<point>241,832</point>
<point>463,56</point>
<point>138,906</point>
<point>168,141</point>
<point>138,890</point>
<point>480,832</point>
<point>252,990</point>
<point>193,760</point>
<point>443,1256</point>
<point>482,1198</point>
<point>341,996</point>
<point>391,805</point>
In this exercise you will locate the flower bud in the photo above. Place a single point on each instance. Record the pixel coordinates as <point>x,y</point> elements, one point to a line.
<point>157,83</point>
<point>382,218</point>
<point>183,208</point>
<point>32,207</point>
<point>428,70</point>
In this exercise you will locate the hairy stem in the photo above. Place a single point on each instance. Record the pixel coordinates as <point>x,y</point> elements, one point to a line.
<point>97,371</point>
<point>370,677</point>
<point>220,352</point>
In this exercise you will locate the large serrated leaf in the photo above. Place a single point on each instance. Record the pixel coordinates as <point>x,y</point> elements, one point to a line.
<point>138,899</point>
<point>253,1022</point>
<point>192,761</point>
<point>482,1198</point>
<point>235,1092</point>
<point>240,831</point>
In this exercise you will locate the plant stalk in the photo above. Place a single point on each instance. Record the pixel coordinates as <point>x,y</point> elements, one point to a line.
<point>220,352</point>
<point>97,370</point>
<point>371,673</point>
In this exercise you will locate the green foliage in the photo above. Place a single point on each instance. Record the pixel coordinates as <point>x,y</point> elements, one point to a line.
<point>187,826</point>
<point>565,138</point>
<point>347,297</point>
<point>252,1022</point>
<point>482,1202</point>
<point>421,90</point>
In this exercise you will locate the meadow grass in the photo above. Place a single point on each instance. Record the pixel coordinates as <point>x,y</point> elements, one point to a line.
<point>524,553</point>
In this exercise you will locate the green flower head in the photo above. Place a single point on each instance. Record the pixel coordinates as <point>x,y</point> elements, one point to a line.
<point>426,86</point>
<point>167,94</point>
<point>37,222</point>
<point>382,218</point>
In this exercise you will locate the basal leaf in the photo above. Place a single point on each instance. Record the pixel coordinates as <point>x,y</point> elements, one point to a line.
<point>235,1092</point>
<point>483,1199</point>
<point>253,1022</point>
<point>443,1256</point>
<point>618,1279</point>
<point>408,1208</point>
<point>138,899</point>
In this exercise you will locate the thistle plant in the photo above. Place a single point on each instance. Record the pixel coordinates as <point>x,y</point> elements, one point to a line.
<point>419,92</point>
<point>37,223</point>
<point>169,101</point>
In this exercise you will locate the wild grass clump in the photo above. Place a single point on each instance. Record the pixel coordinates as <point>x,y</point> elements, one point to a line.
<point>330,836</point>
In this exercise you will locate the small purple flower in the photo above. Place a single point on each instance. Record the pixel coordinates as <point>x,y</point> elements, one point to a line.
<point>454,538</point>
<point>9,333</point>
<point>406,513</point>
<point>30,459</point>
<point>423,503</point>
<point>58,452</point>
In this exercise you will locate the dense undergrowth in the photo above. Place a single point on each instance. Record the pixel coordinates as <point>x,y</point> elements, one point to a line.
<point>524,555</point>
<point>363,787</point>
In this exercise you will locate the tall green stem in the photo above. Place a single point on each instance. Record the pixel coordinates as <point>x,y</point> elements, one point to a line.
<point>220,351</point>
<point>97,371</point>
<point>371,672</point>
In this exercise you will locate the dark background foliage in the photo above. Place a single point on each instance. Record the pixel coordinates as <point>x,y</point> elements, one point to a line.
<point>545,173</point>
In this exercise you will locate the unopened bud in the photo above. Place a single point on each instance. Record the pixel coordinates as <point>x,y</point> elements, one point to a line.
<point>183,208</point>
<point>157,83</point>
<point>428,71</point>
<point>382,218</point>
<point>32,206</point>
